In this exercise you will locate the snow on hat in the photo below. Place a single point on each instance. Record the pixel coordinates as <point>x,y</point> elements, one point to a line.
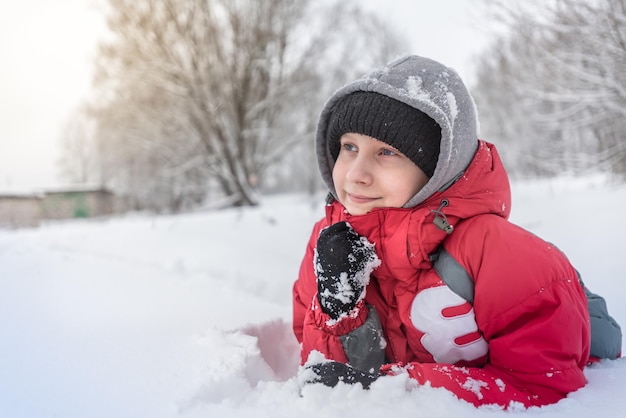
<point>431,88</point>
<point>407,129</point>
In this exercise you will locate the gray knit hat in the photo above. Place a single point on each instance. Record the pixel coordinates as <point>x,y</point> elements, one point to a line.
<point>405,128</point>
<point>424,85</point>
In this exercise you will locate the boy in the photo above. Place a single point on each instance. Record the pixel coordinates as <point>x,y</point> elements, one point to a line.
<point>410,181</point>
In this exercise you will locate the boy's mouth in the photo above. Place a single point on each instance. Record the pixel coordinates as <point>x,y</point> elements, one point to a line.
<point>360,199</point>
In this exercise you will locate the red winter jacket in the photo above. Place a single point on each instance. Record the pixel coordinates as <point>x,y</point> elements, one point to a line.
<point>525,339</point>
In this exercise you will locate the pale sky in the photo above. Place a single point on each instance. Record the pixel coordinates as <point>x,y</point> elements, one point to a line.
<point>47,49</point>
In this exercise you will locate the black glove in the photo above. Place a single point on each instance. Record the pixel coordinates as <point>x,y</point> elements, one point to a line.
<point>343,264</point>
<point>333,372</point>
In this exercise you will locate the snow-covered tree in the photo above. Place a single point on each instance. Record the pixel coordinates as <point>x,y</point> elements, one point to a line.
<point>553,90</point>
<point>210,96</point>
<point>77,161</point>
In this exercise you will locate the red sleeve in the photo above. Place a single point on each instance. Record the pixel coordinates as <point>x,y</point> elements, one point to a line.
<point>314,329</point>
<point>321,333</point>
<point>305,286</point>
<point>529,363</point>
<point>536,353</point>
<point>478,386</point>
<point>530,309</point>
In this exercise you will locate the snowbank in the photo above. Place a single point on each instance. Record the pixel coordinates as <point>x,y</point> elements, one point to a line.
<point>190,315</point>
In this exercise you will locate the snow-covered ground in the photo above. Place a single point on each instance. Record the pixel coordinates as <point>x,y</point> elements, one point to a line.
<point>167,316</point>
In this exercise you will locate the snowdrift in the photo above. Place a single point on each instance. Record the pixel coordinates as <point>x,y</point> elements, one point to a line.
<point>189,316</point>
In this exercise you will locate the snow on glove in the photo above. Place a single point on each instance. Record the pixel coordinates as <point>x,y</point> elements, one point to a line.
<point>332,372</point>
<point>344,261</point>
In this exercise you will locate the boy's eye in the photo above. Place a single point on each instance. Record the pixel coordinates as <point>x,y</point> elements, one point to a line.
<point>388,152</point>
<point>349,147</point>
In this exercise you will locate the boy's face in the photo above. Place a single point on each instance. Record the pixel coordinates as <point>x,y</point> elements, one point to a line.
<point>371,174</point>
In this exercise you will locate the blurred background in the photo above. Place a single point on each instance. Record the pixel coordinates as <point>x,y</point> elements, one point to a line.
<point>175,105</point>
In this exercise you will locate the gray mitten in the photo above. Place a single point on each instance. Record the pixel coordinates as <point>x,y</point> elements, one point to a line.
<point>332,372</point>
<point>365,346</point>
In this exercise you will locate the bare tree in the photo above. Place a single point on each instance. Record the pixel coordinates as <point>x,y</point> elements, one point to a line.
<point>77,161</point>
<point>559,83</point>
<point>195,95</point>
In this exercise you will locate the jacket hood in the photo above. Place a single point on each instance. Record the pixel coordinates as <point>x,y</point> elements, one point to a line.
<point>431,88</point>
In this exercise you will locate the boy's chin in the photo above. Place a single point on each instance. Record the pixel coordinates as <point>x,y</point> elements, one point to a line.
<point>357,210</point>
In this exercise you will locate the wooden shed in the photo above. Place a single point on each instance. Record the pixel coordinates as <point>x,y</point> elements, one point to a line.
<point>78,203</point>
<point>20,210</point>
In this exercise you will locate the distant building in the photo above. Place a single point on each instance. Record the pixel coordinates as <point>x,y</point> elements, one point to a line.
<point>20,210</point>
<point>78,203</point>
<point>29,210</point>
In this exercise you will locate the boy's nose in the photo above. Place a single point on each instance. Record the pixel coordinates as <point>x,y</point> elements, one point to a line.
<point>359,171</point>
